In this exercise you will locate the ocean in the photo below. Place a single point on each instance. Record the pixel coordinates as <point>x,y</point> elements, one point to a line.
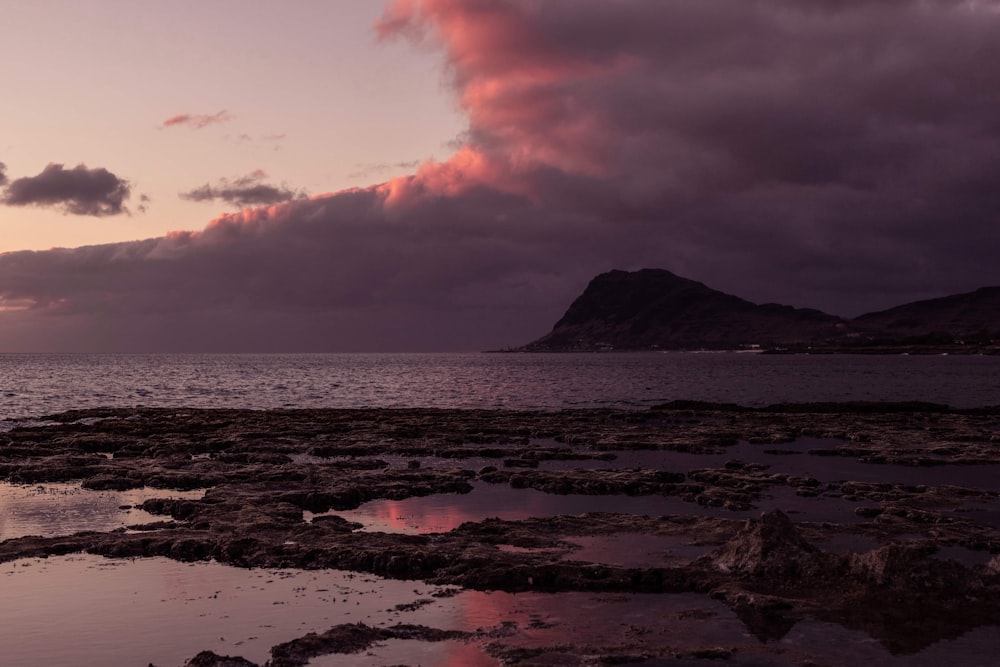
<point>33,385</point>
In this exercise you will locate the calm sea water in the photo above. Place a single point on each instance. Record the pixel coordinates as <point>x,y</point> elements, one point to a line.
<point>38,384</point>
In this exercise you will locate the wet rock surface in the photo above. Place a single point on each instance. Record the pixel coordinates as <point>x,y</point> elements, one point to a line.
<point>265,474</point>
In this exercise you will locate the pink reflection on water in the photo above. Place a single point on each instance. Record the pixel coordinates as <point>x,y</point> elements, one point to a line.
<point>446,511</point>
<point>85,610</point>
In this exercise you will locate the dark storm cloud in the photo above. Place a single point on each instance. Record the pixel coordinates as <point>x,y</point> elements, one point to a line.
<point>78,191</point>
<point>840,155</point>
<point>336,273</point>
<point>788,147</point>
<point>249,190</point>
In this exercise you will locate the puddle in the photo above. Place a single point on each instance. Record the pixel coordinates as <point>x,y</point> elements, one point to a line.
<point>310,459</point>
<point>635,550</point>
<point>665,459</point>
<point>511,548</point>
<point>981,513</point>
<point>438,463</point>
<point>162,612</point>
<point>849,543</point>
<point>798,464</point>
<point>430,462</point>
<point>11,424</point>
<point>835,645</point>
<point>86,610</point>
<point>411,653</point>
<point>52,510</point>
<point>967,557</point>
<point>818,509</point>
<point>446,511</point>
<point>838,468</point>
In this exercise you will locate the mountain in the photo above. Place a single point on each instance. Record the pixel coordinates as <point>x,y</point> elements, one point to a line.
<point>971,315</point>
<point>656,309</point>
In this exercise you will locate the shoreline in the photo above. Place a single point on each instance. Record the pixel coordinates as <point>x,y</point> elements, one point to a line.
<point>262,470</point>
<point>875,349</point>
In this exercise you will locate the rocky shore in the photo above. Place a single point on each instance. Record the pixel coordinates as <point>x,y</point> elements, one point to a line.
<point>908,562</point>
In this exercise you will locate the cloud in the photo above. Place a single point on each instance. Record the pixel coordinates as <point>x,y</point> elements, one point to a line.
<point>272,138</point>
<point>78,191</point>
<point>330,273</point>
<point>798,150</point>
<point>374,169</point>
<point>197,121</point>
<point>839,155</point>
<point>3,174</point>
<point>249,190</point>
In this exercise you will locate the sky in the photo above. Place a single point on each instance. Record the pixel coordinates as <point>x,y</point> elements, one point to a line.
<point>417,175</point>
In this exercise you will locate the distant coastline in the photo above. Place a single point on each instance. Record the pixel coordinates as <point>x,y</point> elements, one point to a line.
<point>888,350</point>
<point>656,310</point>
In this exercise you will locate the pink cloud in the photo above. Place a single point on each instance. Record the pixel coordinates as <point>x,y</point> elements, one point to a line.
<point>524,91</point>
<point>197,121</point>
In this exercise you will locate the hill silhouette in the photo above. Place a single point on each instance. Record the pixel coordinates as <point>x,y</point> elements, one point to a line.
<point>655,309</point>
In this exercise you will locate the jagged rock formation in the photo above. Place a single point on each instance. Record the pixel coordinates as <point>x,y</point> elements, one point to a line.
<point>768,547</point>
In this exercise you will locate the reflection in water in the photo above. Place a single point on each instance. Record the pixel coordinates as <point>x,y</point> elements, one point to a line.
<point>636,550</point>
<point>842,646</point>
<point>446,511</point>
<point>52,510</point>
<point>413,653</point>
<point>163,612</point>
<point>799,463</point>
<point>137,612</point>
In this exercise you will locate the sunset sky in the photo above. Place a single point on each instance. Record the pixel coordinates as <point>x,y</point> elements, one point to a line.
<point>346,175</point>
<point>173,96</point>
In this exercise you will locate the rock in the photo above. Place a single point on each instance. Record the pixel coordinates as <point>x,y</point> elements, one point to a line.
<point>910,568</point>
<point>351,638</point>
<point>210,659</point>
<point>766,570</point>
<point>768,547</point>
<point>653,308</point>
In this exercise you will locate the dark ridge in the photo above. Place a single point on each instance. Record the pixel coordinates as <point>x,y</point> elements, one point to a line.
<point>654,309</point>
<point>972,313</point>
<point>833,408</point>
